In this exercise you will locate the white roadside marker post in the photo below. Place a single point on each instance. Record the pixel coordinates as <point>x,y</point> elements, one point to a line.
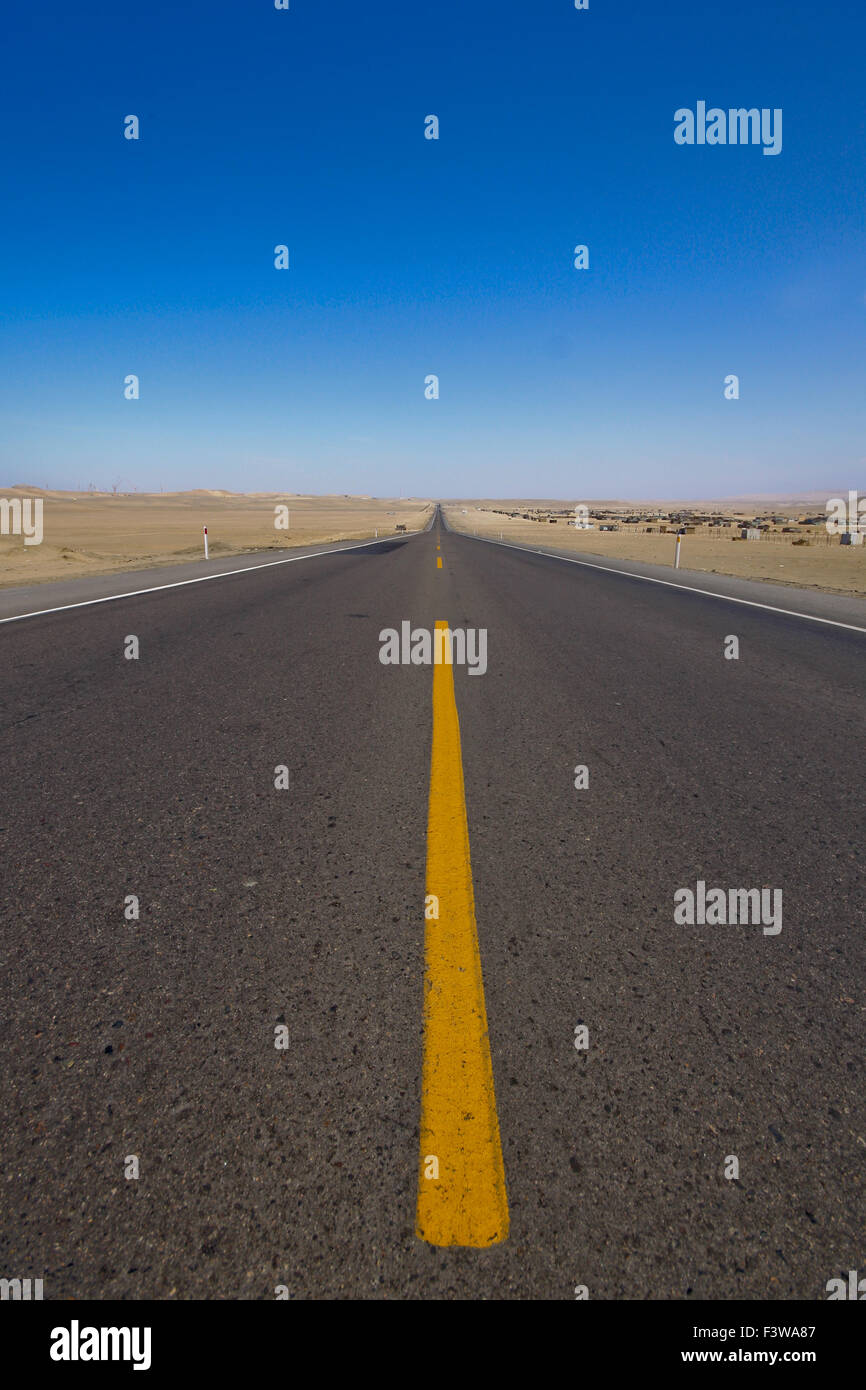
<point>677,556</point>
<point>205,542</point>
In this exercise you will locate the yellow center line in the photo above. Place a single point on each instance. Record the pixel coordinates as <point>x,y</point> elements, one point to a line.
<point>462,1198</point>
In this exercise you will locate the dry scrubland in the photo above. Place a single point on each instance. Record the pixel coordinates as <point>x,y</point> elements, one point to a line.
<point>819,565</point>
<point>97,533</point>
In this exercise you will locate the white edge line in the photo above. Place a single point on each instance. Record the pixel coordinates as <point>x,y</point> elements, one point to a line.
<point>202,578</point>
<point>668,583</point>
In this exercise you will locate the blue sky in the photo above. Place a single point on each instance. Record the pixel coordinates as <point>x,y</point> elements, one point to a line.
<point>412,256</point>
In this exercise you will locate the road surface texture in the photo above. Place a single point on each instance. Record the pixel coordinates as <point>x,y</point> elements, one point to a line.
<point>305,907</point>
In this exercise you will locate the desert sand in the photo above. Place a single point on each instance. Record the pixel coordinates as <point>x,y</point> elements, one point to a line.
<point>98,533</point>
<point>823,563</point>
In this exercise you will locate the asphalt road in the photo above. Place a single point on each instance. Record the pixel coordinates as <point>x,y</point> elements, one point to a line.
<point>262,1167</point>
